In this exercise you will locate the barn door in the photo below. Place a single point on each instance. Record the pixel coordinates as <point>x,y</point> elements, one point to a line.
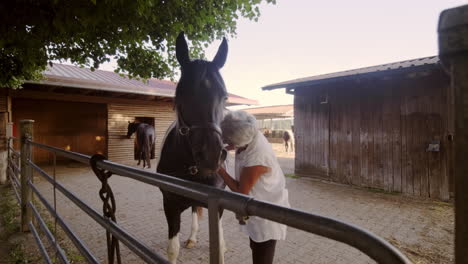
<point>311,125</point>
<point>424,171</point>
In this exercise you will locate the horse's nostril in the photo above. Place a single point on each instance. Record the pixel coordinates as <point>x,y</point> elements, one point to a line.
<point>223,155</point>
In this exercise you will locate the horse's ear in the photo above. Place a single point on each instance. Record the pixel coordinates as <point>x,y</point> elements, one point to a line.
<point>221,55</point>
<point>182,52</point>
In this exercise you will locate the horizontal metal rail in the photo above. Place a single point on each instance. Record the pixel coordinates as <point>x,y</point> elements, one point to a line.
<point>14,151</point>
<point>15,168</point>
<point>13,176</point>
<point>39,243</point>
<point>86,253</point>
<point>132,243</point>
<point>48,234</point>
<point>368,243</point>
<point>64,153</point>
<point>13,171</point>
<point>16,185</point>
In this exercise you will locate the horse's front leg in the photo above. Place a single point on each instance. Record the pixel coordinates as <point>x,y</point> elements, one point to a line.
<point>222,243</point>
<point>173,222</point>
<point>196,216</point>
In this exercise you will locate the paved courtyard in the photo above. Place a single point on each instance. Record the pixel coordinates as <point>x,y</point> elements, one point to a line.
<point>422,229</point>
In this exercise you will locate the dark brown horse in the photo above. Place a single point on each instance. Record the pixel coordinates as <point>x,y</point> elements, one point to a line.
<point>193,147</point>
<point>145,138</point>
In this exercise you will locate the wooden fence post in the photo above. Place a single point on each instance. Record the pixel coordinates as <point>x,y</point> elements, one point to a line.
<point>3,147</point>
<point>453,52</point>
<point>26,131</point>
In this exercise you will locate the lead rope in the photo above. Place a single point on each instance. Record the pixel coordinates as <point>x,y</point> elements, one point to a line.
<point>108,210</point>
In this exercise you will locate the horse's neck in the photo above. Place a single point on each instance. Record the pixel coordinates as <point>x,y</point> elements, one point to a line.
<point>175,149</point>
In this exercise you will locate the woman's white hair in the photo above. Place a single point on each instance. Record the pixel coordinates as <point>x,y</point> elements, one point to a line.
<point>239,128</point>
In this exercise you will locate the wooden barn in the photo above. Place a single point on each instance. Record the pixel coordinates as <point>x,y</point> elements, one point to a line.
<point>388,127</point>
<point>88,111</point>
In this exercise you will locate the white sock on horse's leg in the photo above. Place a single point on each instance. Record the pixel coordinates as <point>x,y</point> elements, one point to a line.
<point>222,243</point>
<point>173,249</point>
<point>193,232</point>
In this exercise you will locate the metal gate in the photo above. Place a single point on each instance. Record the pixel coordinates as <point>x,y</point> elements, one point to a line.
<point>20,175</point>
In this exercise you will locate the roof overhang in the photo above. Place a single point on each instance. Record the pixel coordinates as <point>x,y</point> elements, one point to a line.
<point>275,111</point>
<point>84,84</point>
<point>414,67</point>
<point>238,100</point>
<point>68,76</point>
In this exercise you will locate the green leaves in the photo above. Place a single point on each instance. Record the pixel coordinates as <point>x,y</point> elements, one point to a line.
<point>139,33</point>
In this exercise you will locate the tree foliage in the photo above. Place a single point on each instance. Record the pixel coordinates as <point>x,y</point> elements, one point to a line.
<point>139,34</point>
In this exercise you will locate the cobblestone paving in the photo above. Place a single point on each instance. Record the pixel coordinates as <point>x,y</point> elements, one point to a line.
<point>422,229</point>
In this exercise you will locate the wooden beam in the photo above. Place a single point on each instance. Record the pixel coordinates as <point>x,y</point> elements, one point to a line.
<point>453,51</point>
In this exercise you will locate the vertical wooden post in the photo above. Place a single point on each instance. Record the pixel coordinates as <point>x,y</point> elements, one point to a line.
<point>9,133</point>
<point>453,51</point>
<point>26,130</point>
<point>3,147</point>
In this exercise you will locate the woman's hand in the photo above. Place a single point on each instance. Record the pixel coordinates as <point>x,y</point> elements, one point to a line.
<point>249,176</point>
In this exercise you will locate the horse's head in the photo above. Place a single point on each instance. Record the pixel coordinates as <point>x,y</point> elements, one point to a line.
<point>132,127</point>
<point>200,100</point>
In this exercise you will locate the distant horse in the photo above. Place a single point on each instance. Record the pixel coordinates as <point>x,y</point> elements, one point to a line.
<point>193,147</point>
<point>145,138</point>
<point>288,139</point>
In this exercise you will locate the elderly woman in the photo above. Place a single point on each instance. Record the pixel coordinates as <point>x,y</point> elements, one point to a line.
<point>258,174</point>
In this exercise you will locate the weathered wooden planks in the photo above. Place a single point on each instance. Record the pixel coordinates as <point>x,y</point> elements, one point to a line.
<point>378,132</point>
<point>3,103</point>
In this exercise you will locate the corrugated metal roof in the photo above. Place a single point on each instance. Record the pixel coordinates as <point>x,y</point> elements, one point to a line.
<point>83,78</point>
<point>73,76</point>
<point>408,65</point>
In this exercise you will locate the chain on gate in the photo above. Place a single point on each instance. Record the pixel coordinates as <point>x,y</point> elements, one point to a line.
<point>108,209</point>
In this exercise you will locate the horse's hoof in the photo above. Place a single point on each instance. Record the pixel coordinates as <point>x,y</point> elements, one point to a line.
<point>190,244</point>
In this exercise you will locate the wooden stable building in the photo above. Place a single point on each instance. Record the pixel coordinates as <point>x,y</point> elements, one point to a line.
<point>387,127</point>
<point>88,111</point>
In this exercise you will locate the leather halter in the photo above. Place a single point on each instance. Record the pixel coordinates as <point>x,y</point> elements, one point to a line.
<point>184,130</point>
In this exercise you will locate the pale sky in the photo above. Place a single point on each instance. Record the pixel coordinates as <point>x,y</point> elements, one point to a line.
<point>300,38</point>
